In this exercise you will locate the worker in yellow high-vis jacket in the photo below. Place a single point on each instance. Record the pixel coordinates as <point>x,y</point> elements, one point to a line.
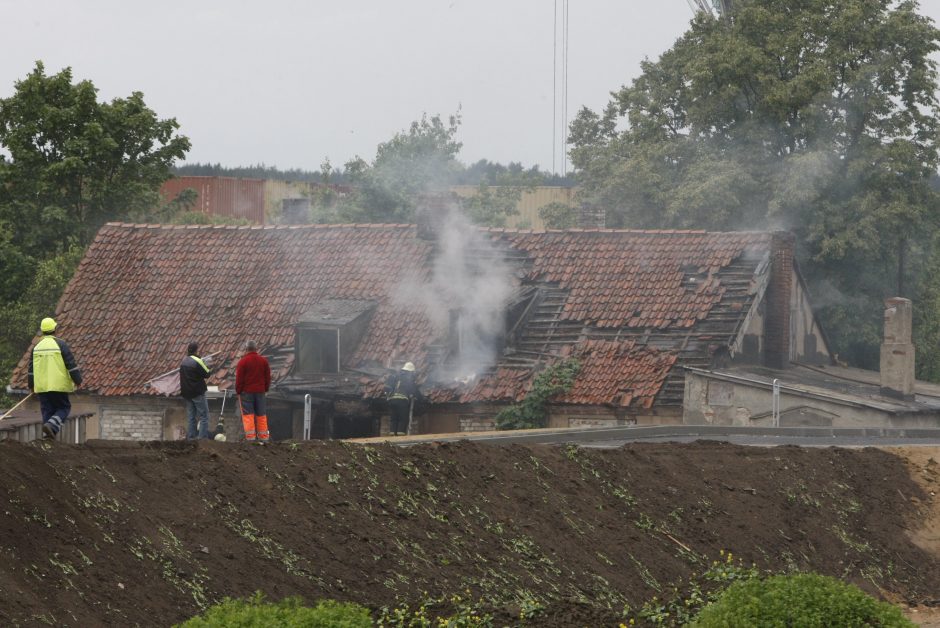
<point>53,374</point>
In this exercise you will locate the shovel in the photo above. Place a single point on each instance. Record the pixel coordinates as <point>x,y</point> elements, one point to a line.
<point>220,424</point>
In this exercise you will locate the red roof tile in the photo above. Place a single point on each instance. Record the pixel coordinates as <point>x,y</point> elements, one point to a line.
<point>635,278</point>
<point>142,292</point>
<point>618,373</point>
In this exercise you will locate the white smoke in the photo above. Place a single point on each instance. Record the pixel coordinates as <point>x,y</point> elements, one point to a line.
<point>466,296</point>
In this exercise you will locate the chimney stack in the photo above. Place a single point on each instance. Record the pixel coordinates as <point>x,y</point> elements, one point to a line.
<point>897,350</point>
<point>777,320</point>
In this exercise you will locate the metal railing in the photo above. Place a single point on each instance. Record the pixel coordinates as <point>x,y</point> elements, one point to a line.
<point>30,428</point>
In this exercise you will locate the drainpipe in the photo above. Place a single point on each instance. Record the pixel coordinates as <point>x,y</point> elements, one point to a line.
<point>775,404</point>
<point>308,402</point>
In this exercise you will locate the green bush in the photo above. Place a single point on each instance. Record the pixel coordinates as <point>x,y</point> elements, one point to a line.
<point>532,411</point>
<point>288,613</point>
<point>805,600</point>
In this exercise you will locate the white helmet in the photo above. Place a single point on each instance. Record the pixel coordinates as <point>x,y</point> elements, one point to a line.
<point>408,367</point>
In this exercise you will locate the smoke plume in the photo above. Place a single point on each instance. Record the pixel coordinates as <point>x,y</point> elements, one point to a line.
<point>466,296</point>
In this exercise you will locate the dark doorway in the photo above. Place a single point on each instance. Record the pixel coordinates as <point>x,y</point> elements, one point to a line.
<point>280,423</point>
<point>354,427</point>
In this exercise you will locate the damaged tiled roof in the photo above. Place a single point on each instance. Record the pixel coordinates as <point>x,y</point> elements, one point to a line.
<point>614,373</point>
<point>618,373</point>
<point>627,300</point>
<point>505,383</point>
<point>638,279</point>
<point>142,292</point>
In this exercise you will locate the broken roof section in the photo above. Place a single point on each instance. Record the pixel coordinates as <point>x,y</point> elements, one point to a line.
<point>630,304</point>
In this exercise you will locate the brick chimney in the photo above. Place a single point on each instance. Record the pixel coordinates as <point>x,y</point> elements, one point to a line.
<point>777,299</point>
<point>897,350</point>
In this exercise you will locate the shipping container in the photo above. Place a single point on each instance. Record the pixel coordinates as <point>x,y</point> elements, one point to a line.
<point>221,196</point>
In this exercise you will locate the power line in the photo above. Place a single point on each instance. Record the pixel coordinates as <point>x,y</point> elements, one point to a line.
<point>564,129</point>
<point>554,82</point>
<point>560,86</point>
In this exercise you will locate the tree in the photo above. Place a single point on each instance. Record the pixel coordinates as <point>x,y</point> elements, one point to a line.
<point>19,318</point>
<point>71,164</point>
<point>558,215</point>
<point>498,192</point>
<point>818,116</point>
<point>406,167</point>
<point>411,165</point>
<point>259,171</point>
<point>75,163</point>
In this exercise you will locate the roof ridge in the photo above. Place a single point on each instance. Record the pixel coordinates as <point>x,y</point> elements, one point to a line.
<point>627,231</point>
<point>392,225</point>
<point>168,226</point>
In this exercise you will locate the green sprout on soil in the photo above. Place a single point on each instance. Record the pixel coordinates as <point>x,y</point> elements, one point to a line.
<point>845,537</point>
<point>166,560</point>
<point>644,522</point>
<point>39,517</point>
<point>645,574</point>
<point>64,566</point>
<point>106,472</point>
<point>604,559</point>
<point>683,603</point>
<point>409,469</point>
<point>465,613</point>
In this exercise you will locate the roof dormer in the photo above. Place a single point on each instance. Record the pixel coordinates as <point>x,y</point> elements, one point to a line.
<point>328,333</point>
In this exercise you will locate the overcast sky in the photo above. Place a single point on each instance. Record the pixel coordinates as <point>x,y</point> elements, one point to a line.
<point>288,83</point>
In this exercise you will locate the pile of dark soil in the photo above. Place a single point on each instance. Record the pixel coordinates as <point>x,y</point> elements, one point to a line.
<point>150,534</point>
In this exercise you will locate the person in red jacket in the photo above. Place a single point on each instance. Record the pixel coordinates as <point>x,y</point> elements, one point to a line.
<point>252,381</point>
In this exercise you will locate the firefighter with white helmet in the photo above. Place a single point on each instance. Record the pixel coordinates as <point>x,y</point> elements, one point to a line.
<point>401,390</point>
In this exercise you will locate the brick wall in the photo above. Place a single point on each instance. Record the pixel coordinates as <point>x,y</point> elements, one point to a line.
<point>590,217</point>
<point>476,423</point>
<point>598,422</point>
<point>777,320</point>
<point>127,424</point>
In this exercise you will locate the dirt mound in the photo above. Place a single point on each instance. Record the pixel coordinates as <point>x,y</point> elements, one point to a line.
<point>149,534</point>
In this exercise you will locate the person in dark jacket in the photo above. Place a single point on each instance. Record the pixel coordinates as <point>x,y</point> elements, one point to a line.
<point>401,390</point>
<point>52,374</point>
<point>193,374</point>
<point>252,381</point>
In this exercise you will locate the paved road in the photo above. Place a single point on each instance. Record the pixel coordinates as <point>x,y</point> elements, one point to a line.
<point>773,441</point>
<point>610,437</point>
